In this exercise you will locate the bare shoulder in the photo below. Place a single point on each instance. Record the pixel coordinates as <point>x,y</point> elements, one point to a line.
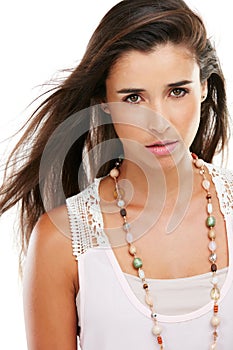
<point>50,242</point>
<point>51,285</point>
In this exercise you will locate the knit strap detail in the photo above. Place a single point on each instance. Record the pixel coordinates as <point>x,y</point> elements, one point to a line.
<point>223,181</point>
<point>86,221</point>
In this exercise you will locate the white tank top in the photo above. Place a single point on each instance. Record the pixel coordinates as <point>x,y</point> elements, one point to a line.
<point>111,311</point>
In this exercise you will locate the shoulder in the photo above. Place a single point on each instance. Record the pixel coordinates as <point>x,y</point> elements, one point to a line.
<point>52,227</point>
<point>50,246</point>
<point>50,284</point>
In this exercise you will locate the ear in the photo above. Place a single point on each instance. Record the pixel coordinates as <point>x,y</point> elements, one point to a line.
<point>204,90</point>
<point>105,108</point>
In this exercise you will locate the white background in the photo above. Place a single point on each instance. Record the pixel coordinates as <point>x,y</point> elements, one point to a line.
<point>37,40</point>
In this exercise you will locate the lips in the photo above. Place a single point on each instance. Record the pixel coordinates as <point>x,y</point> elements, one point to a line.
<point>161,148</point>
<point>162,143</point>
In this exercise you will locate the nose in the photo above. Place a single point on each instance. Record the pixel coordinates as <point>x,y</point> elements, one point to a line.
<point>158,123</point>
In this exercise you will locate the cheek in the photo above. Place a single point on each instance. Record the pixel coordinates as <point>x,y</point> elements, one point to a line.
<point>130,132</point>
<point>190,121</point>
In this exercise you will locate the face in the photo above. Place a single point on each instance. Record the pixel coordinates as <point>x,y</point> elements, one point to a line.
<point>165,83</point>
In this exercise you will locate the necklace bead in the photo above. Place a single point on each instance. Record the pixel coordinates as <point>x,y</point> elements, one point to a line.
<point>215,293</point>
<point>123,212</point>
<point>156,330</point>
<point>212,246</point>
<point>210,221</point>
<point>141,274</point>
<point>209,208</point>
<point>211,234</point>
<point>132,250</point>
<point>126,226</point>
<point>215,321</point>
<point>199,163</point>
<point>206,184</point>
<point>129,238</point>
<point>137,263</point>
<point>213,257</point>
<point>121,203</point>
<point>114,173</point>
<point>214,280</point>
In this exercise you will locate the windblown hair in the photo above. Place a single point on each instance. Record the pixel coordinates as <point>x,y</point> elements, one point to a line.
<point>70,109</point>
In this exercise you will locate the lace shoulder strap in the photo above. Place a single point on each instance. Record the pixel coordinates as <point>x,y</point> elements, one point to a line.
<point>86,221</point>
<point>223,180</point>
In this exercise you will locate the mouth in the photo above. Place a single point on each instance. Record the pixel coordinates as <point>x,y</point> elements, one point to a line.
<point>162,148</point>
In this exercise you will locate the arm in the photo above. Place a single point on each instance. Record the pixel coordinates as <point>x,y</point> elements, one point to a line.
<point>50,287</point>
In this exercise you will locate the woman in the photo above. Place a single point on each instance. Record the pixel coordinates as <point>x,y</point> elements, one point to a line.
<point>150,223</point>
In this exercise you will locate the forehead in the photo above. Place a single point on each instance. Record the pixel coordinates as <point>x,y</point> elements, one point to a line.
<point>167,58</point>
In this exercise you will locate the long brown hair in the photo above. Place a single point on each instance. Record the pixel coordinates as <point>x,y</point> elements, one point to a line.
<point>138,25</point>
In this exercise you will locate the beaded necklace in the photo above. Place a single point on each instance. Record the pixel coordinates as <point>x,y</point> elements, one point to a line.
<point>137,261</point>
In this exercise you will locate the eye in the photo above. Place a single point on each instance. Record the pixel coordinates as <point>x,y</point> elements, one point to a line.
<point>178,92</point>
<point>134,98</point>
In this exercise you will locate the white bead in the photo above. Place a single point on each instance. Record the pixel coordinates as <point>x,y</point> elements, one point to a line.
<point>209,208</point>
<point>156,330</point>
<point>121,203</point>
<point>206,184</point>
<point>141,273</point>
<point>215,321</point>
<point>213,346</point>
<point>199,163</point>
<point>114,173</point>
<point>126,226</point>
<point>214,280</point>
<point>129,237</point>
<point>212,246</point>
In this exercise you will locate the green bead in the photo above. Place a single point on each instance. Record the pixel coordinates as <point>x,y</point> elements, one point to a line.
<point>210,222</point>
<point>137,263</point>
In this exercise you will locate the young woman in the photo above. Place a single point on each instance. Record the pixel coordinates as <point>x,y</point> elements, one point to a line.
<point>119,176</point>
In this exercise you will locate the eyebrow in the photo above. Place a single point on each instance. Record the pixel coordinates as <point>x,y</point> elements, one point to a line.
<point>180,83</point>
<point>130,90</point>
<point>135,90</point>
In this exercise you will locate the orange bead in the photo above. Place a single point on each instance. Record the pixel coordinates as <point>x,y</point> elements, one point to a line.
<point>215,308</point>
<point>160,340</point>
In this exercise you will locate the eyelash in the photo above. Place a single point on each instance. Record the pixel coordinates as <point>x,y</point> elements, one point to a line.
<point>182,93</point>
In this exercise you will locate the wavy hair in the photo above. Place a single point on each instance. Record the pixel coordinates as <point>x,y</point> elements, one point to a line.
<point>141,25</point>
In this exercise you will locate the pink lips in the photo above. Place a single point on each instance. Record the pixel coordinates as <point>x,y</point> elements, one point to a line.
<point>162,148</point>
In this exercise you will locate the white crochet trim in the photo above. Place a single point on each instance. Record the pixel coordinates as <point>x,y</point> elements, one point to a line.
<point>86,221</point>
<point>223,181</point>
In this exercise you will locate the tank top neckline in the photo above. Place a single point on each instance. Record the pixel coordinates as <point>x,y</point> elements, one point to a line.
<point>141,307</point>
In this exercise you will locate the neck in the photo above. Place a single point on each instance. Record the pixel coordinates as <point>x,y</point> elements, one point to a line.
<point>166,189</point>
<point>171,178</point>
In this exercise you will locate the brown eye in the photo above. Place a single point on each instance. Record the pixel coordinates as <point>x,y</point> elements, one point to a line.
<point>133,98</point>
<point>178,92</point>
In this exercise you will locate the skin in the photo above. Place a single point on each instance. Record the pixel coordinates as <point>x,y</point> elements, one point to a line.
<point>51,279</point>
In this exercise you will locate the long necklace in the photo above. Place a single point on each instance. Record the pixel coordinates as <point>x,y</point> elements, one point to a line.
<point>137,261</point>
